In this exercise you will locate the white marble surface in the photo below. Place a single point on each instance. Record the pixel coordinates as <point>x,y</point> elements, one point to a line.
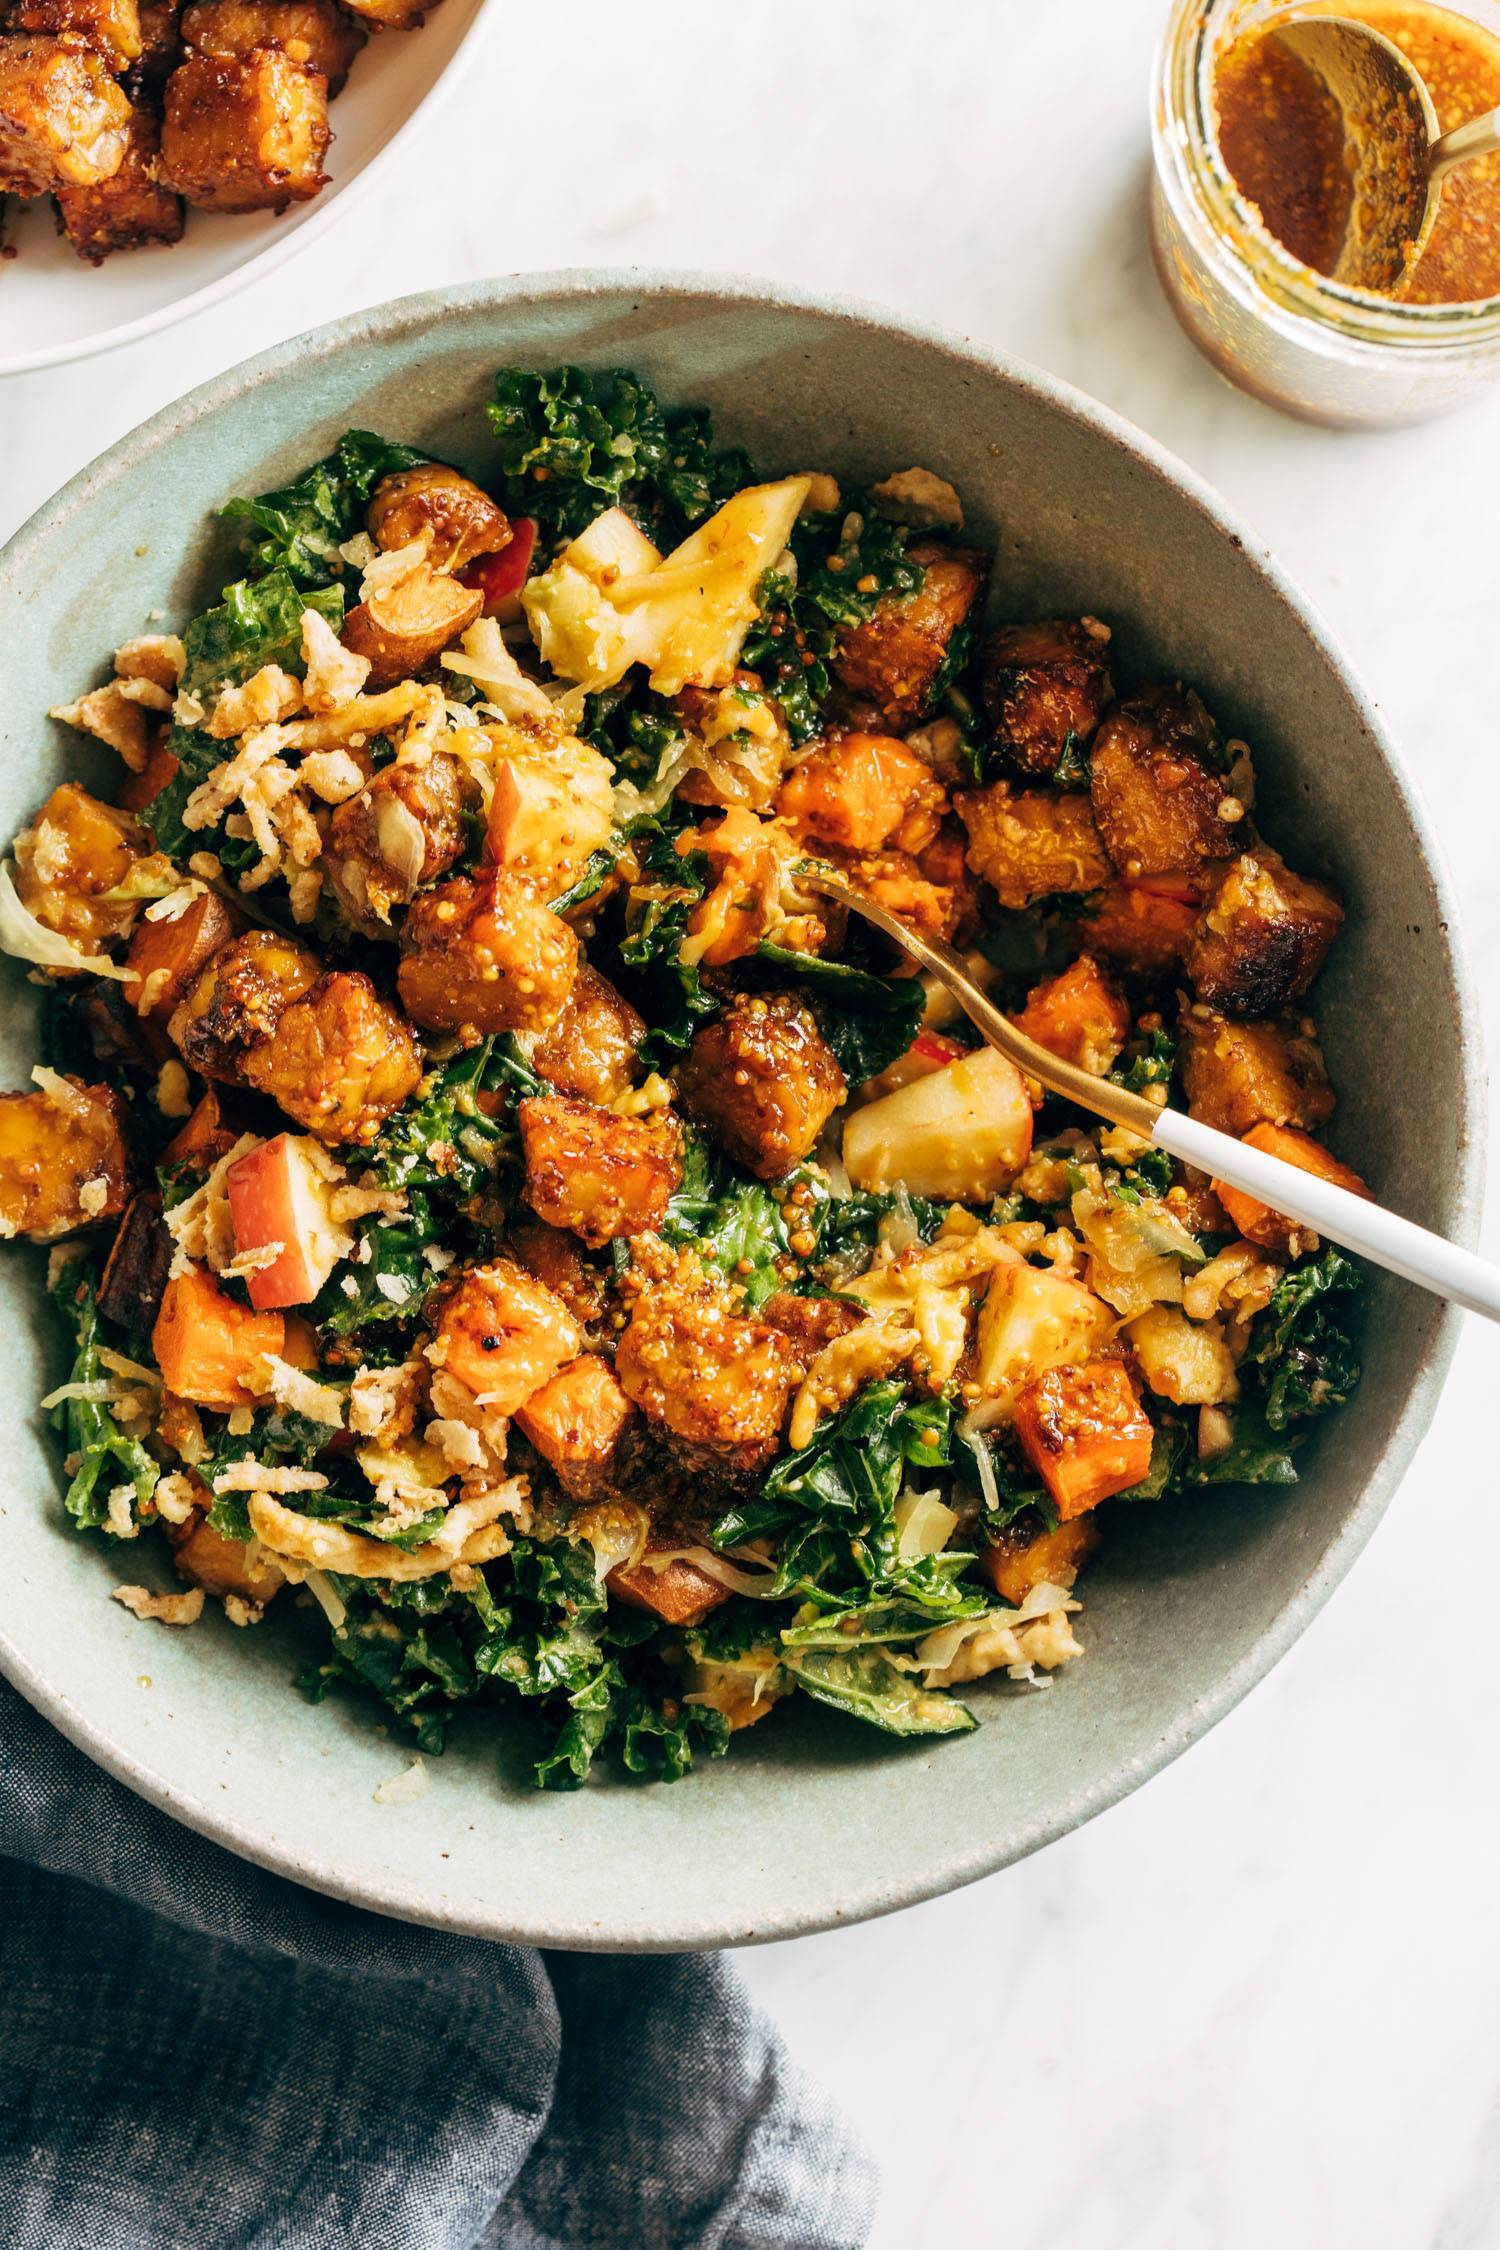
<point>1255,2005</point>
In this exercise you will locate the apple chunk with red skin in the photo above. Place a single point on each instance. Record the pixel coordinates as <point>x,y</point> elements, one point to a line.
<point>959,1134</point>
<point>278,1197</point>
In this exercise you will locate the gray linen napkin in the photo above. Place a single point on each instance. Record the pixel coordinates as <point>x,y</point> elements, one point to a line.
<point>194,2053</point>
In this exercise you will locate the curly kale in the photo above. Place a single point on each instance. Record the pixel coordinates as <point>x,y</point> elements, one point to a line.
<point>847,563</point>
<point>100,1454</point>
<point>303,526</point>
<point>573,442</point>
<point>1303,1357</point>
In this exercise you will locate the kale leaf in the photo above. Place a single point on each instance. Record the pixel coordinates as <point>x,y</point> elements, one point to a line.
<point>258,621</point>
<point>1254,1455</point>
<point>1151,1064</point>
<point>734,1224</point>
<point>866,1019</point>
<point>676,1000</point>
<point>1304,1359</point>
<point>103,1455</point>
<point>573,443</point>
<point>847,563</point>
<point>833,1506</point>
<point>306,522</point>
<point>864,1682</point>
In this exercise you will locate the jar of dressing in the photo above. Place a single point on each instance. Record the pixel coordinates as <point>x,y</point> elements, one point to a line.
<point>1238,143</point>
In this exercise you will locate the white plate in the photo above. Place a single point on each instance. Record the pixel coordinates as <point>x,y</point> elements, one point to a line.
<point>53,307</point>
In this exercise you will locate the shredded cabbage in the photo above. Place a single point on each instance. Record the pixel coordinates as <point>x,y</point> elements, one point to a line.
<point>27,939</point>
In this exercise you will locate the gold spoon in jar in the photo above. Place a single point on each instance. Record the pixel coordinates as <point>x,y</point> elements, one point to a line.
<point>1334,1212</point>
<point>1396,157</point>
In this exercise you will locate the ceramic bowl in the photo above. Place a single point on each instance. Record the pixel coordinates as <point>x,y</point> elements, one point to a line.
<point>53,307</point>
<point>810,1820</point>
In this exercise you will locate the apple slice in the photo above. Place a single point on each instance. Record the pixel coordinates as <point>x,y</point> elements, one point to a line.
<point>278,1198</point>
<point>500,578</point>
<point>929,1051</point>
<point>961,1133</point>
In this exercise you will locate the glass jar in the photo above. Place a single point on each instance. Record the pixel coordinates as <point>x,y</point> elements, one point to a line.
<point>1271,324</point>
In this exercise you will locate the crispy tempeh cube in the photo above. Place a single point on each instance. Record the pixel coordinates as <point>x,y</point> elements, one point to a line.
<point>1262,937</point>
<point>1045,688</point>
<point>125,212</point>
<point>63,120</point>
<point>1032,843</point>
<point>763,1080</point>
<point>62,1159</point>
<point>1238,1075</point>
<point>244,132</point>
<point>339,1060</point>
<point>599,1175</point>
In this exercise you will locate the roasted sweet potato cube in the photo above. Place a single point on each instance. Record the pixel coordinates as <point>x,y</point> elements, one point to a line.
<point>405,627</point>
<point>1238,1075</point>
<point>339,1060</point>
<point>579,1423</point>
<point>485,953</point>
<point>401,831</point>
<point>62,1159</point>
<point>558,1258</point>
<point>599,1175</point>
<point>165,957</point>
<point>456,520</point>
<point>316,33</point>
<point>1045,687</point>
<point>1079,1016</point>
<point>202,1139</point>
<point>592,1048</point>
<point>860,792</point>
<point>716,1383</point>
<point>134,1279</point>
<point>244,132</point>
<point>890,663</point>
<point>63,120</point>
<point>1085,1433</point>
<point>75,854</point>
<point>238,999</point>
<point>1269,1229</point>
<point>1032,843</point>
<point>111,27</point>
<point>1144,927</point>
<point>902,886</point>
<point>503,1334</point>
<point>1014,1561</point>
<point>1262,937</point>
<point>677,1592</point>
<point>1156,796</point>
<point>763,1080</point>
<point>204,1557</point>
<point>125,212</point>
<point>135,791</point>
<point>209,1346</point>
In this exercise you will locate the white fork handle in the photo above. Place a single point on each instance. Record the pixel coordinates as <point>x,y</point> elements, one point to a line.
<point>1342,1217</point>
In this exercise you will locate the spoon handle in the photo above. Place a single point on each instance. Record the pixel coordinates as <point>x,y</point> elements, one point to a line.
<point>1480,137</point>
<point>1344,1218</point>
<point>1347,1219</point>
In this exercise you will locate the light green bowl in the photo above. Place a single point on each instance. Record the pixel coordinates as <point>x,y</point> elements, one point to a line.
<point>810,1820</point>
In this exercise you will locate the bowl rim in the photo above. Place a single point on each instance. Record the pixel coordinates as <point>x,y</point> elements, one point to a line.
<point>322,214</point>
<point>404,1900</point>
